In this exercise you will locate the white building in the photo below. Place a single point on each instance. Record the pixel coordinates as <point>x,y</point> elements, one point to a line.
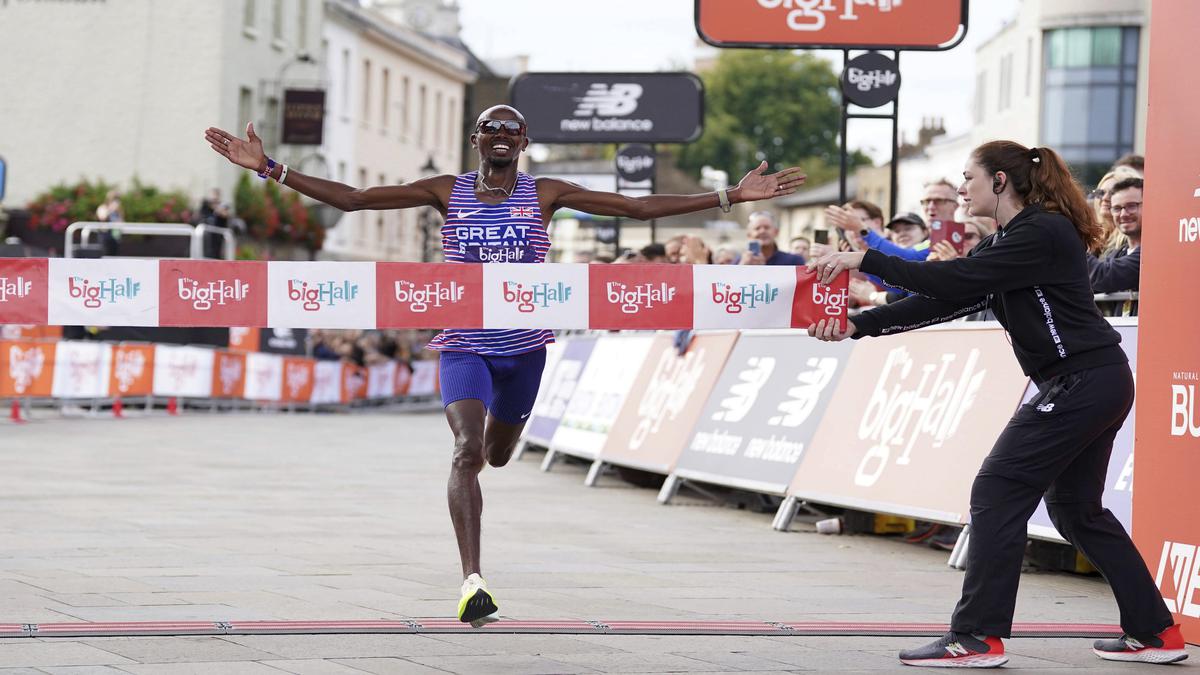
<point>1070,75</point>
<point>114,90</point>
<point>394,113</point>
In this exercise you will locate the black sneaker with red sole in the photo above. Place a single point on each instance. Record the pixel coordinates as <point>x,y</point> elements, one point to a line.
<point>1166,647</point>
<point>957,650</point>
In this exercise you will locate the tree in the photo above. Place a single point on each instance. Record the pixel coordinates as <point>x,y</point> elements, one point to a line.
<point>769,104</point>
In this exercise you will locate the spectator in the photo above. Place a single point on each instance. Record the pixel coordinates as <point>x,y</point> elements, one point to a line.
<point>1100,199</point>
<point>629,256</point>
<point>1120,270</point>
<point>213,211</point>
<point>761,228</point>
<point>725,256</point>
<point>1133,161</point>
<point>940,200</point>
<point>693,251</point>
<point>604,260</point>
<point>674,248</point>
<point>582,257</point>
<point>800,246</point>
<point>109,211</point>
<point>654,253</point>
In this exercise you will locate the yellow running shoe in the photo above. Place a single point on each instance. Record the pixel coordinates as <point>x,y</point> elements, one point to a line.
<point>477,606</point>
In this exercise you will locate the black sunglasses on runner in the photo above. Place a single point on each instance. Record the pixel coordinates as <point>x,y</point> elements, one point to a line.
<point>509,127</point>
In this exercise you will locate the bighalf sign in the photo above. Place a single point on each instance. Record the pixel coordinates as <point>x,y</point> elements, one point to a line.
<point>610,107</point>
<point>835,24</point>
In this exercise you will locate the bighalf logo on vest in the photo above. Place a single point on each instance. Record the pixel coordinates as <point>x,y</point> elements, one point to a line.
<point>14,288</point>
<point>420,298</point>
<point>746,296</point>
<point>96,293</point>
<point>203,295</point>
<point>315,295</point>
<point>633,299</point>
<point>542,294</point>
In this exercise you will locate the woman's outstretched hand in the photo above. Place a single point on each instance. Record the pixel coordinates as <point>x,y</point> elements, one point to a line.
<point>244,153</point>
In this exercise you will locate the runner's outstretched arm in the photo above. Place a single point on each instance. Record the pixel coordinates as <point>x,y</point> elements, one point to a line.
<point>249,154</point>
<point>754,186</point>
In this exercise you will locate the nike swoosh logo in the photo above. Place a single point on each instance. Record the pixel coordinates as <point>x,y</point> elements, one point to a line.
<point>525,415</point>
<point>467,214</point>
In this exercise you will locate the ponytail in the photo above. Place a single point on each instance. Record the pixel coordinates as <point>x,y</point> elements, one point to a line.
<point>1039,176</point>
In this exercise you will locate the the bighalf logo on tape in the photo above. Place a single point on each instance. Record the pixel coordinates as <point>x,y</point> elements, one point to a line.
<point>542,294</point>
<point>420,298</point>
<point>204,295</point>
<point>14,288</point>
<point>833,302</point>
<point>315,295</point>
<point>746,296</point>
<point>96,293</point>
<point>634,299</point>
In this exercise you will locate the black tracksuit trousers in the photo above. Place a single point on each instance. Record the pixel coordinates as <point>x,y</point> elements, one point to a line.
<point>1057,445</point>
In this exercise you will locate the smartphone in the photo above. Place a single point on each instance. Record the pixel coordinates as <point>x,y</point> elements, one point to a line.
<point>755,247</point>
<point>951,231</point>
<point>821,237</point>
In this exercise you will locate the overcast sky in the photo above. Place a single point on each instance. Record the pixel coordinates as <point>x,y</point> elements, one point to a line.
<point>647,35</point>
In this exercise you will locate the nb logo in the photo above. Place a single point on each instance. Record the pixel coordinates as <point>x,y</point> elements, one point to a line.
<point>1046,407</point>
<point>614,100</point>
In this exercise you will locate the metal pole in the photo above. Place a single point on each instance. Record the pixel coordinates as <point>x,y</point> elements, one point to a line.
<point>893,198</point>
<point>845,125</point>
<point>653,188</point>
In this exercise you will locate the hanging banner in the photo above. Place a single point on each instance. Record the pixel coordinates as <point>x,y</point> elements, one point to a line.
<point>322,295</point>
<point>915,409</point>
<point>599,394</point>
<point>23,290</point>
<point>103,292</point>
<point>630,297</point>
<point>665,401</point>
<point>832,24</point>
<point>212,293</point>
<point>763,412</point>
<point>303,116</point>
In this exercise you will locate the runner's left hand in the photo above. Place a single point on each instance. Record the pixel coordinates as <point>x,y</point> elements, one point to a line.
<point>757,185</point>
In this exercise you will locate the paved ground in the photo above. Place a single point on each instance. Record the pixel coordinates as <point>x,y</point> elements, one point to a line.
<point>343,517</point>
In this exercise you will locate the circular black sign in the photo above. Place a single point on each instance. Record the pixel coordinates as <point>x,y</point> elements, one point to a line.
<point>871,80</point>
<point>635,163</point>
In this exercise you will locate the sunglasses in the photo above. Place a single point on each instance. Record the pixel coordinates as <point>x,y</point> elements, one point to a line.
<point>507,127</point>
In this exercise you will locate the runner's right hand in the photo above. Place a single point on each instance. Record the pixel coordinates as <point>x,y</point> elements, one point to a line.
<point>244,153</point>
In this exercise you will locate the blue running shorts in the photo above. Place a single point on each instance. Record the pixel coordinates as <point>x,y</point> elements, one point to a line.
<point>507,385</point>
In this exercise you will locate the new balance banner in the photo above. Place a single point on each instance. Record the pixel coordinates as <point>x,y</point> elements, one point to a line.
<point>610,371</point>
<point>916,415</point>
<point>1165,525</point>
<point>1118,484</point>
<point>665,401</point>
<point>559,382</point>
<point>248,296</point>
<point>763,412</point>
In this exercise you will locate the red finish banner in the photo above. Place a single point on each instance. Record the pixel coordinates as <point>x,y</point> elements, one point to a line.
<point>23,284</point>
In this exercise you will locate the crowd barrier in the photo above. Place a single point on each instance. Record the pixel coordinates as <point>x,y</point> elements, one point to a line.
<point>896,425</point>
<point>132,292</point>
<point>74,370</point>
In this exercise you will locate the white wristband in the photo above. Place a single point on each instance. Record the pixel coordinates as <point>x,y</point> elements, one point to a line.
<point>723,197</point>
<point>283,174</point>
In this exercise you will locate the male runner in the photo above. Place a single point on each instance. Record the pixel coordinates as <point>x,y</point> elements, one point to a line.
<point>490,378</point>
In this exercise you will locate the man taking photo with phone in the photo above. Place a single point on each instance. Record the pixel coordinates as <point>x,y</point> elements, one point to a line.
<point>761,248</point>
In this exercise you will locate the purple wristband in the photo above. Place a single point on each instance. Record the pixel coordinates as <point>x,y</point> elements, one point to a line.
<point>270,166</point>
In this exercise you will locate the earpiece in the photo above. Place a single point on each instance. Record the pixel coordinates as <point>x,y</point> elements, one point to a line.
<point>997,185</point>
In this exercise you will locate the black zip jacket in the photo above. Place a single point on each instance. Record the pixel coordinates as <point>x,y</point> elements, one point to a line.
<point>1120,271</point>
<point>1031,273</point>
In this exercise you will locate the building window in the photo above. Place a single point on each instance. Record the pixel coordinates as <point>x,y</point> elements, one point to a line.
<point>366,99</point>
<point>1090,90</point>
<point>302,26</point>
<point>1028,67</point>
<point>277,20</point>
<point>437,120</point>
<point>248,13</point>
<point>452,121</point>
<point>360,225</point>
<point>421,117</point>
<point>385,100</point>
<point>245,107</point>
<point>980,96</point>
<point>345,83</point>
<point>271,124</point>
<point>1004,99</point>
<point>404,106</point>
